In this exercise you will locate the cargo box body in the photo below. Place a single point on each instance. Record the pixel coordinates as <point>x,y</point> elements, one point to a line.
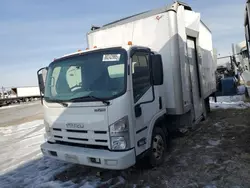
<point>165,31</point>
<point>27,91</point>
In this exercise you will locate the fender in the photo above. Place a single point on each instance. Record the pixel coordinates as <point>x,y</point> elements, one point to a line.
<point>152,125</point>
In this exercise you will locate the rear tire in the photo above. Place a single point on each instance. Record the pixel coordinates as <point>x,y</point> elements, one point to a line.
<point>207,105</point>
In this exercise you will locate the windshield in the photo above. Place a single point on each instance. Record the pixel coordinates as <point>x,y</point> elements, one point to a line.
<point>99,74</point>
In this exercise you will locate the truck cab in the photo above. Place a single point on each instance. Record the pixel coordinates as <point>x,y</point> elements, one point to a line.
<point>99,105</point>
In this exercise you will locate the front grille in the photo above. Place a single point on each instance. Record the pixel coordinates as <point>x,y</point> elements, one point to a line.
<point>58,136</point>
<point>76,131</point>
<point>100,132</point>
<point>82,145</point>
<point>54,129</point>
<point>104,141</point>
<point>89,137</point>
<point>81,139</point>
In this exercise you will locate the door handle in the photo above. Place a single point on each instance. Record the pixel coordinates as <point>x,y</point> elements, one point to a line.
<point>138,111</point>
<point>160,103</point>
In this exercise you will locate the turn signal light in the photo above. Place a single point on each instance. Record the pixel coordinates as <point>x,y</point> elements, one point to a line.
<point>130,43</point>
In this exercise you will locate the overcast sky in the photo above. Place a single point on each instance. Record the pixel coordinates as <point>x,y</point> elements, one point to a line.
<point>33,33</point>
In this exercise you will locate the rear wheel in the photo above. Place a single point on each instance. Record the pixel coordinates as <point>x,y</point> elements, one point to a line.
<point>207,105</point>
<point>207,109</point>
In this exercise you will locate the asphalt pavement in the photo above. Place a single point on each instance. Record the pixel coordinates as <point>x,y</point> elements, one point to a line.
<point>18,114</point>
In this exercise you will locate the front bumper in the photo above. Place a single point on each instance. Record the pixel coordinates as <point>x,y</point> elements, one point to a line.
<point>90,157</point>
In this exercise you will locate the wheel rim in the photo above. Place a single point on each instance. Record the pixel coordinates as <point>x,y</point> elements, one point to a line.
<point>158,147</point>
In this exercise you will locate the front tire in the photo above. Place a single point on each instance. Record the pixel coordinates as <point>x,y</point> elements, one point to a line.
<point>158,147</point>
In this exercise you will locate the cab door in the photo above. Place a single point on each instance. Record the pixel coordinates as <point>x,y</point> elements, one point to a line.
<point>146,99</point>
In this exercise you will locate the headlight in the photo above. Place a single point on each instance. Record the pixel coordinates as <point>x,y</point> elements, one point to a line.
<point>119,134</point>
<point>118,143</point>
<point>119,127</point>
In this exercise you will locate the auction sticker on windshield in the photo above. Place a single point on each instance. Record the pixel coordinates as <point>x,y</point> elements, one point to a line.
<point>111,57</point>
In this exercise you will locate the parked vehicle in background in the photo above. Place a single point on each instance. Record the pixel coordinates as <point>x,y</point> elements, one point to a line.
<point>19,94</point>
<point>247,26</point>
<point>140,78</point>
<point>242,56</point>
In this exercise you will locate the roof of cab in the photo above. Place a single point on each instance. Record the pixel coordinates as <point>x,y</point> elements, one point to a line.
<point>126,47</point>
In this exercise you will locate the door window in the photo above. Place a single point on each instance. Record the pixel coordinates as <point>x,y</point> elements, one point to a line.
<point>140,74</point>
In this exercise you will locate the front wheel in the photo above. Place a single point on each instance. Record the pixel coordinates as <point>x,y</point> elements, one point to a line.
<point>158,147</point>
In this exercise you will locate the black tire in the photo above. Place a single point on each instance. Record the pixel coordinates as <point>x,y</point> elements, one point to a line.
<point>207,109</point>
<point>246,93</point>
<point>207,105</point>
<point>157,156</point>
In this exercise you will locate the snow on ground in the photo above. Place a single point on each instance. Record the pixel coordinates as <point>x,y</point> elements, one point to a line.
<point>22,163</point>
<point>229,102</point>
<point>36,173</point>
<point>20,144</point>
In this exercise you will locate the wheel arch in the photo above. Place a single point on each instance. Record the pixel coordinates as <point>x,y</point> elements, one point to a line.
<point>156,122</point>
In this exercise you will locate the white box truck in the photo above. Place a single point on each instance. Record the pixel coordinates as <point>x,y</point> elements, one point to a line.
<point>142,77</point>
<point>20,94</point>
<point>28,92</point>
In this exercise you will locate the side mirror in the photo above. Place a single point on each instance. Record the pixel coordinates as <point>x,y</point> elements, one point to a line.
<point>41,75</point>
<point>157,69</point>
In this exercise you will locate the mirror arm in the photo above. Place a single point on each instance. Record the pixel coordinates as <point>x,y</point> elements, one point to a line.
<point>138,106</point>
<point>42,97</point>
<point>146,102</point>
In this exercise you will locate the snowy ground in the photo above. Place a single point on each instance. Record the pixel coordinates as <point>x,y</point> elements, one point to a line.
<point>216,154</point>
<point>20,144</point>
<point>21,163</point>
<point>230,102</point>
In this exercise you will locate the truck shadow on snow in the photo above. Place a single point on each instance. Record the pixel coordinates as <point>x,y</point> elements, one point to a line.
<point>36,173</point>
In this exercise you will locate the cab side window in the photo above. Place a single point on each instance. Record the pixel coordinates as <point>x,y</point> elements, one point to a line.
<point>140,74</point>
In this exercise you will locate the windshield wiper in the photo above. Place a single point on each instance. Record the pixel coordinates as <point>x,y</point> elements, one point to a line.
<point>91,97</point>
<point>59,102</point>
